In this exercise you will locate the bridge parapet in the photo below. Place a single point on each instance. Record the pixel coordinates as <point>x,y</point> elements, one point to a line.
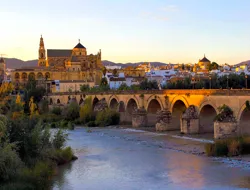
<point>223,92</point>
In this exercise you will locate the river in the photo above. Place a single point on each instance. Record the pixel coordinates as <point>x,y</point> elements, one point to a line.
<point>119,159</point>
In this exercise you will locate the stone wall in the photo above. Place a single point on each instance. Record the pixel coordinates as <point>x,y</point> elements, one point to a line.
<point>190,126</point>
<point>225,129</point>
<point>139,118</point>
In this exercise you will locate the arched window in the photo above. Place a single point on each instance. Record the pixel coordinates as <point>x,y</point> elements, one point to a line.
<point>17,76</point>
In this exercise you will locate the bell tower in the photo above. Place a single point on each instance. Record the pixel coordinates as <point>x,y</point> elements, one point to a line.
<point>41,54</point>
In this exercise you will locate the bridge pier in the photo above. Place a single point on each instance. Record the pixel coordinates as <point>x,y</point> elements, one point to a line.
<point>190,121</point>
<point>139,118</point>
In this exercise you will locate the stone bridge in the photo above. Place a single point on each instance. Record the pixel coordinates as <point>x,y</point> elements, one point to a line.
<point>176,101</point>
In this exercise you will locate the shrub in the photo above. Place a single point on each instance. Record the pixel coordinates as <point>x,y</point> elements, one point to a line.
<point>2,130</point>
<point>39,175</point>
<point>84,88</point>
<point>59,139</point>
<point>43,106</point>
<point>225,115</point>
<point>234,148</point>
<point>63,124</point>
<point>91,124</point>
<point>107,117</point>
<point>245,145</point>
<point>86,111</point>
<point>70,125</point>
<point>10,163</point>
<point>71,112</point>
<point>221,148</point>
<point>63,156</point>
<point>209,149</point>
<point>4,119</point>
<point>56,110</point>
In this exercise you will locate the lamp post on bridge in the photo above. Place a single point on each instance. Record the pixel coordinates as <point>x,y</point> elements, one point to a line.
<point>210,84</point>
<point>246,80</point>
<point>193,81</point>
<point>227,81</point>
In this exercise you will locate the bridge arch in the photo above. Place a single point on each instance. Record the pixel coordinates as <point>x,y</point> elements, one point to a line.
<point>121,107</point>
<point>243,119</point>
<point>178,107</point>
<point>113,98</point>
<point>154,97</point>
<point>94,102</point>
<point>152,107</point>
<point>207,113</point>
<point>132,103</point>
<point>113,104</point>
<point>178,98</point>
<point>32,76</point>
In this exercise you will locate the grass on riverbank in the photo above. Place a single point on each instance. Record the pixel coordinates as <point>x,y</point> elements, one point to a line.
<point>229,147</point>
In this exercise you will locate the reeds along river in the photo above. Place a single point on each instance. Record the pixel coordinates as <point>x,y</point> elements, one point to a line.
<point>127,159</point>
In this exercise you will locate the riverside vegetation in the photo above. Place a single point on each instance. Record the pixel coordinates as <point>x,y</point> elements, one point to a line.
<point>30,150</point>
<point>233,146</point>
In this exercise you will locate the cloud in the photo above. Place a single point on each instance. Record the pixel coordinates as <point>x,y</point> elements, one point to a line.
<point>170,8</point>
<point>164,14</point>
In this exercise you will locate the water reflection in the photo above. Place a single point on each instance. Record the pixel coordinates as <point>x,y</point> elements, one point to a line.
<point>117,159</point>
<point>61,176</point>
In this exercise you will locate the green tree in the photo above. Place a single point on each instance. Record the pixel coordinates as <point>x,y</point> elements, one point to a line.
<point>84,88</point>
<point>115,72</point>
<point>104,71</point>
<point>149,85</point>
<point>213,66</point>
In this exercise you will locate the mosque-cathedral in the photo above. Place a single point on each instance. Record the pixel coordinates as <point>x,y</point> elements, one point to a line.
<point>72,67</point>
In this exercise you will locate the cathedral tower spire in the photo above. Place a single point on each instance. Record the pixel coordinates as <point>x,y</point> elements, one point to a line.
<point>41,54</point>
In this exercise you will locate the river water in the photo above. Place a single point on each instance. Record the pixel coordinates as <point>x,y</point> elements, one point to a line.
<point>119,159</point>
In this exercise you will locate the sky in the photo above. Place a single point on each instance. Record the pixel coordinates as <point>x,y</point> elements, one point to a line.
<point>170,31</point>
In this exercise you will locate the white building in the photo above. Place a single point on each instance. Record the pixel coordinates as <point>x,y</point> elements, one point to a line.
<point>116,82</point>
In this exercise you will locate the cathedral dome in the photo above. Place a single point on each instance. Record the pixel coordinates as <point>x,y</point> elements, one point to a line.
<point>204,59</point>
<point>80,46</point>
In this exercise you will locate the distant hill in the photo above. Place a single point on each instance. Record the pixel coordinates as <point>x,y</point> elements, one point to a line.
<point>13,63</point>
<point>110,63</point>
<point>243,63</point>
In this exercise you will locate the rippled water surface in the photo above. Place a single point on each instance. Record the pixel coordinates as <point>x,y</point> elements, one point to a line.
<point>118,159</point>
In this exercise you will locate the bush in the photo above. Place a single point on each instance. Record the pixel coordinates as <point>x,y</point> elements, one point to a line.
<point>56,110</point>
<point>209,149</point>
<point>221,148</point>
<point>39,175</point>
<point>91,124</point>
<point>63,156</point>
<point>71,125</point>
<point>229,147</point>
<point>245,145</point>
<point>225,115</point>
<point>43,106</point>
<point>107,117</point>
<point>10,163</point>
<point>234,148</point>
<point>71,112</point>
<point>4,119</point>
<point>86,111</point>
<point>59,139</point>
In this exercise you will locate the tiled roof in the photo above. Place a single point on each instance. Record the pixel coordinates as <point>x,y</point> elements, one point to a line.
<point>59,52</point>
<point>117,79</point>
